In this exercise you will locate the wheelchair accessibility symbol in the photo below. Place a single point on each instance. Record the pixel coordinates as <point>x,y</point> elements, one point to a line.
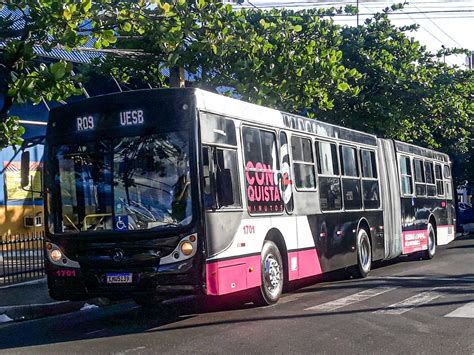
<point>121,223</point>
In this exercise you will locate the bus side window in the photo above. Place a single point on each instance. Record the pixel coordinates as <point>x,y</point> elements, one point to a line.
<point>370,184</point>
<point>303,163</point>
<point>439,180</point>
<point>286,176</point>
<point>262,168</point>
<point>430,181</point>
<point>420,186</point>
<point>350,178</point>
<point>207,177</point>
<point>447,182</point>
<point>406,176</point>
<point>214,160</point>
<point>226,159</point>
<point>329,180</point>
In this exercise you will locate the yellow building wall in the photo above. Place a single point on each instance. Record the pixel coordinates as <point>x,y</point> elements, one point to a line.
<point>11,220</point>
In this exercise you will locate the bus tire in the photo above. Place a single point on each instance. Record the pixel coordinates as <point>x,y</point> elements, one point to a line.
<point>431,251</point>
<point>364,254</point>
<point>272,275</point>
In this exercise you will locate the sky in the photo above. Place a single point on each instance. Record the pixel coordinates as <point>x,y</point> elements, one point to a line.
<point>442,23</point>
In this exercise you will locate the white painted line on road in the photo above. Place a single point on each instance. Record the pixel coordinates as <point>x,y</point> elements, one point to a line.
<point>465,311</point>
<point>410,303</point>
<point>424,278</point>
<point>294,297</point>
<point>32,282</point>
<point>346,301</point>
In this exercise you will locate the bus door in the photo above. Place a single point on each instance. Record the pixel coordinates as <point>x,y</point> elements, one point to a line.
<point>222,202</point>
<point>221,194</point>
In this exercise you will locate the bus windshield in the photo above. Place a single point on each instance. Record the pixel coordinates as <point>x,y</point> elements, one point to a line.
<point>131,183</point>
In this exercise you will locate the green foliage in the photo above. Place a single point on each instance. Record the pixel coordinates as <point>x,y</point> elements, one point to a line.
<point>407,93</point>
<point>10,131</point>
<point>372,77</point>
<point>49,24</point>
<point>281,58</point>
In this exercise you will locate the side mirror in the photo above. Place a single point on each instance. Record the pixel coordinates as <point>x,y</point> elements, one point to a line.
<point>225,191</point>
<point>25,169</point>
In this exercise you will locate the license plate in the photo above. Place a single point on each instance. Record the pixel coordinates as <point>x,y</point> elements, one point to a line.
<point>125,278</point>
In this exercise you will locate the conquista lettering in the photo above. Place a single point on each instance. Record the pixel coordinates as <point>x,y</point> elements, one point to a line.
<point>263,186</point>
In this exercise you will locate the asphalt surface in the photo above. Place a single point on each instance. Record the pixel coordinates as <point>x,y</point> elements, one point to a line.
<point>405,306</point>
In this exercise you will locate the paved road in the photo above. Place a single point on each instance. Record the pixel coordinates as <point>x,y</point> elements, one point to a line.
<point>404,307</point>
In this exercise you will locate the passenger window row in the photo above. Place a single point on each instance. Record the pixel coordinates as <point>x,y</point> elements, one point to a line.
<point>347,176</point>
<point>347,185</point>
<point>428,178</point>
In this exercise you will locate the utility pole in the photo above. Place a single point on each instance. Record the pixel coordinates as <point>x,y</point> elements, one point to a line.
<point>357,12</point>
<point>177,77</point>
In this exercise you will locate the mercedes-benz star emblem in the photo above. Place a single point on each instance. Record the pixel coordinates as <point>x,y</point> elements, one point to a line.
<point>117,255</point>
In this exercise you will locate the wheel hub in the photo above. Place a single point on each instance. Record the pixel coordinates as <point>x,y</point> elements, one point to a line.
<point>365,254</point>
<point>273,275</point>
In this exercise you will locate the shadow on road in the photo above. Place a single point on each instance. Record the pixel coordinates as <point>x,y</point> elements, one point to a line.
<point>197,312</point>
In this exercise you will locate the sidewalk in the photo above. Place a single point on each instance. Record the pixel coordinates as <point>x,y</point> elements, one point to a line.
<point>30,300</point>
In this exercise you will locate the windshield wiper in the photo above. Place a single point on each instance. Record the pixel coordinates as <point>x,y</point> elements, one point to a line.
<point>170,225</point>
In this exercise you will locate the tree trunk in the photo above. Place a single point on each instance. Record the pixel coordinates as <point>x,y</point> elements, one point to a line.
<point>177,77</point>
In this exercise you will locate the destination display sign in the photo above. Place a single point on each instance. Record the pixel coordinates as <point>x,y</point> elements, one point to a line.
<point>124,118</point>
<point>123,114</point>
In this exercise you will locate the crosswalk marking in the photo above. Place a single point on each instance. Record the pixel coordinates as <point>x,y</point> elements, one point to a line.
<point>351,299</point>
<point>462,279</point>
<point>465,311</point>
<point>410,303</point>
<point>293,297</point>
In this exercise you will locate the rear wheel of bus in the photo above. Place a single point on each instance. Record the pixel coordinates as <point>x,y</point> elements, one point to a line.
<point>272,275</point>
<point>364,254</point>
<point>431,251</point>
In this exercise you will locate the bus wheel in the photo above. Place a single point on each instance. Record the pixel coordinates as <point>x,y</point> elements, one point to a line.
<point>149,301</point>
<point>430,253</point>
<point>272,275</point>
<point>364,254</point>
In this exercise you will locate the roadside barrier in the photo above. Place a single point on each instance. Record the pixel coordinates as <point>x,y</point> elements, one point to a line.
<point>21,258</point>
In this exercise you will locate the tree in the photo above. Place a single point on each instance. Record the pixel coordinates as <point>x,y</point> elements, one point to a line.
<point>285,59</point>
<point>48,24</point>
<point>372,77</point>
<point>407,93</point>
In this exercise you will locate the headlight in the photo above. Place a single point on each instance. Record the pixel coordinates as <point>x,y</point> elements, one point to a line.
<point>56,255</point>
<point>186,248</point>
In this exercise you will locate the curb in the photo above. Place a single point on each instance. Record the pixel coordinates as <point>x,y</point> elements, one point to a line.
<point>35,311</point>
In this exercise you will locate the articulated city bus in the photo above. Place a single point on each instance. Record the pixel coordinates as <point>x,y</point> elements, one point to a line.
<point>156,193</point>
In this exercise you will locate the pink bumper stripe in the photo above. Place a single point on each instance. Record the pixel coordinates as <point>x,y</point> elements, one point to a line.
<point>414,241</point>
<point>303,263</point>
<point>233,275</point>
<point>228,276</point>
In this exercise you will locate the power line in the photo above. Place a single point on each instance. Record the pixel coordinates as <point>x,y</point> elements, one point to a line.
<point>434,23</point>
<point>350,18</point>
<point>252,4</point>
<point>431,34</point>
<point>340,2</point>
<point>397,13</point>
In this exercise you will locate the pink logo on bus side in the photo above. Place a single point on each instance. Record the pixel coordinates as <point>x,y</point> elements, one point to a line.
<point>263,191</point>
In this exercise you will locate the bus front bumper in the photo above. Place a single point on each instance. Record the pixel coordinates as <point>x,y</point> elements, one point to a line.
<point>170,280</point>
